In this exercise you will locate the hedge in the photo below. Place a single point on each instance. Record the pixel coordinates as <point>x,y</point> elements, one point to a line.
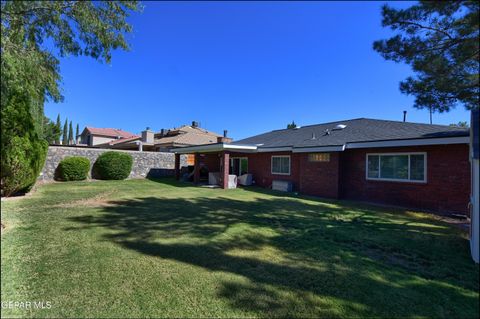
<point>113,165</point>
<point>73,168</point>
<point>22,161</point>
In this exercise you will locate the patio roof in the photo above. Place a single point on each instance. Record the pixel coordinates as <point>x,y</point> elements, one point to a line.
<point>217,147</point>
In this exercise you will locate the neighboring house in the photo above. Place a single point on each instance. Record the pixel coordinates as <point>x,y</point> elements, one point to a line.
<point>93,136</point>
<point>399,163</point>
<point>167,139</point>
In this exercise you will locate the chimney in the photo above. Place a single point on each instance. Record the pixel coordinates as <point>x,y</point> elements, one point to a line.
<point>147,136</point>
<point>404,116</point>
<point>224,138</point>
<point>195,124</point>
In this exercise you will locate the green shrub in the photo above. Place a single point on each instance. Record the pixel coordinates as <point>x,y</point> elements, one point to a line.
<point>113,165</point>
<point>73,168</point>
<point>22,161</point>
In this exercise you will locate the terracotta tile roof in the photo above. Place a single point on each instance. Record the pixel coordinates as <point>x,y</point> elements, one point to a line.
<point>125,140</point>
<point>110,132</point>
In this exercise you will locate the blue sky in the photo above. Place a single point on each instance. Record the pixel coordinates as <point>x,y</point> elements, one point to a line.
<point>249,67</point>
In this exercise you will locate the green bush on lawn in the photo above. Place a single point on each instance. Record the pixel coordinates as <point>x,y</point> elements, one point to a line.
<point>113,165</point>
<point>73,168</point>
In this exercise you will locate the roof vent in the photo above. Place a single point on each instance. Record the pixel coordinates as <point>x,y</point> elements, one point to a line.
<point>339,127</point>
<point>313,136</point>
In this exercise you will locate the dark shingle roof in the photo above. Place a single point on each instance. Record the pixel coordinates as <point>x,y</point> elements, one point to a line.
<point>356,130</point>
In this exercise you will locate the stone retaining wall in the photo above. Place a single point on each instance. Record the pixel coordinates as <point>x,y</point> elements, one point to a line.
<point>151,164</point>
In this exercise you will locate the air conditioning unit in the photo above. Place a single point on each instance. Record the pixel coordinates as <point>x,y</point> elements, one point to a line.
<point>284,186</point>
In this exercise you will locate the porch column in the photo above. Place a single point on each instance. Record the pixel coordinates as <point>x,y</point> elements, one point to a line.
<point>177,166</point>
<point>224,169</point>
<point>196,169</point>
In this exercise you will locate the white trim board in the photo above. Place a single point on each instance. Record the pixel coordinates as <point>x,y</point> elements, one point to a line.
<point>339,148</point>
<point>214,148</point>
<point>319,149</point>
<point>414,142</point>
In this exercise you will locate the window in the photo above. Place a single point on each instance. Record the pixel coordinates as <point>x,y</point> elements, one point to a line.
<point>319,157</point>
<point>397,167</point>
<point>281,165</point>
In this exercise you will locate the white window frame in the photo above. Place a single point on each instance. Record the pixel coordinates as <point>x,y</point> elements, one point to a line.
<point>424,181</point>
<point>289,165</point>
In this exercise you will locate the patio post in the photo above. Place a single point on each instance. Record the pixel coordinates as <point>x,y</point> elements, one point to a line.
<point>196,169</point>
<point>225,168</point>
<point>177,166</point>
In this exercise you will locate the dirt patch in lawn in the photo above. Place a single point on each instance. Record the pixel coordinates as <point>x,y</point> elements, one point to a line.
<point>100,200</point>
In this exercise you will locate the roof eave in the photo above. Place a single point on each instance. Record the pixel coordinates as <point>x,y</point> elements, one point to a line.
<point>217,147</point>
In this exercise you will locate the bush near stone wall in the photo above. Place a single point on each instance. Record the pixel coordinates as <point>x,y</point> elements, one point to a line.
<point>112,165</point>
<point>73,168</point>
<point>22,160</point>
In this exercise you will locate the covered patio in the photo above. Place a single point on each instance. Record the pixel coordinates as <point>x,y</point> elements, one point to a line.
<point>221,158</point>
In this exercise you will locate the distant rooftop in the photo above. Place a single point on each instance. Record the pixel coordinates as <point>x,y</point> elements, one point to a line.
<point>110,132</point>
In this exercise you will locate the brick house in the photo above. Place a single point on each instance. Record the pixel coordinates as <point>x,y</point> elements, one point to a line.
<point>412,165</point>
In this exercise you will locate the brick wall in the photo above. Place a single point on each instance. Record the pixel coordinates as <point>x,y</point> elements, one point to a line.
<point>259,164</point>
<point>211,161</point>
<point>446,191</point>
<point>320,178</point>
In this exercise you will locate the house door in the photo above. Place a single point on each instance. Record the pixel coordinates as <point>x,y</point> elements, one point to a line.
<point>238,165</point>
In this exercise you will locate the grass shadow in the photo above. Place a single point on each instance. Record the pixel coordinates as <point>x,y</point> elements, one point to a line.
<point>369,263</point>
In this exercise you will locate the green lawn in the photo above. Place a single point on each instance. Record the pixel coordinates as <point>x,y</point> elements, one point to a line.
<point>142,248</point>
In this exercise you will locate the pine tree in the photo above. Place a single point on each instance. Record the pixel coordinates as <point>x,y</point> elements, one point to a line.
<point>59,130</point>
<point>70,134</point>
<point>76,134</point>
<point>291,125</point>
<point>65,133</point>
<point>439,39</point>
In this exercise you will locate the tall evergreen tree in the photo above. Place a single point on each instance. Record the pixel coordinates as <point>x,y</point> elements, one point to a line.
<point>70,134</point>
<point>59,130</point>
<point>65,133</point>
<point>440,40</point>
<point>77,133</point>
<point>291,125</point>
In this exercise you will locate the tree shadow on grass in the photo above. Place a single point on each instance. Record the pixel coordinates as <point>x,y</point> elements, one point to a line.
<point>367,264</point>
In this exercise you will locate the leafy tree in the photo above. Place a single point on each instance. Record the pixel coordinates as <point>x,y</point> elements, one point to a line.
<point>59,128</point>
<point>70,134</point>
<point>65,133</point>
<point>291,125</point>
<point>77,132</point>
<point>51,132</point>
<point>34,35</point>
<point>440,40</point>
<point>462,124</point>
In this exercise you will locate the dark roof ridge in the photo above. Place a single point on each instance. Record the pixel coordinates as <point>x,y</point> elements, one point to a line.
<point>407,122</point>
<point>356,119</point>
<point>366,118</point>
